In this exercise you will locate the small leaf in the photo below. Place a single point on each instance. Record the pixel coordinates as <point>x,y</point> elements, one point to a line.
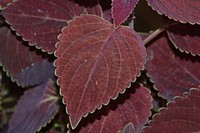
<point>133,106</point>
<point>121,9</point>
<point>180,116</point>
<point>185,37</point>
<point>129,128</point>
<point>40,22</point>
<point>23,64</point>
<point>4,3</point>
<point>172,72</point>
<point>95,63</point>
<point>107,15</point>
<point>183,11</point>
<point>34,109</point>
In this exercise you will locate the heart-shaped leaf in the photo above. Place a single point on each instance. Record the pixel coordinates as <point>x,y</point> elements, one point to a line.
<point>34,109</point>
<point>116,115</point>
<point>121,10</point>
<point>40,22</point>
<point>181,116</point>
<point>185,37</point>
<point>183,11</point>
<point>21,62</point>
<point>95,63</point>
<point>172,72</point>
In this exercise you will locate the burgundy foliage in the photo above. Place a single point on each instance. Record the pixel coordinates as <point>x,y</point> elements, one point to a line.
<point>40,22</point>
<point>182,115</point>
<point>102,60</point>
<point>111,77</point>
<point>23,64</point>
<point>34,109</point>
<point>121,10</point>
<point>137,101</point>
<point>172,72</point>
<point>185,37</point>
<point>4,3</point>
<point>183,11</point>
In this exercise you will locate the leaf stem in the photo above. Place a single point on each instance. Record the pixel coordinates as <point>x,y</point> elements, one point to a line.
<point>153,35</point>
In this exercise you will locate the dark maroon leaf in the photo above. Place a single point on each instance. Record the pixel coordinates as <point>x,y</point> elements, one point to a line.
<point>185,37</point>
<point>116,115</point>
<point>4,3</point>
<point>172,72</point>
<point>34,109</point>
<point>129,128</point>
<point>23,64</point>
<point>95,63</point>
<point>121,9</point>
<point>107,15</point>
<point>180,116</point>
<point>183,11</point>
<point>96,9</point>
<point>40,22</point>
<point>35,74</point>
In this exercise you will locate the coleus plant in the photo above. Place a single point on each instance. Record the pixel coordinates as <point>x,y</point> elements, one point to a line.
<point>99,63</point>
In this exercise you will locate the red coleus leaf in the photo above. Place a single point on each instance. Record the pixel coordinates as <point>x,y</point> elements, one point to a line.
<point>40,22</point>
<point>121,9</point>
<point>34,109</point>
<point>23,64</point>
<point>173,73</point>
<point>183,11</point>
<point>116,115</point>
<point>181,116</point>
<point>185,37</point>
<point>95,63</point>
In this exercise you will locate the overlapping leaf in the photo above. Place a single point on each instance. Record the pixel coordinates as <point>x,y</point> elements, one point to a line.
<point>36,73</point>
<point>4,3</point>
<point>23,64</point>
<point>121,9</point>
<point>183,11</point>
<point>95,63</point>
<point>91,6</point>
<point>34,109</point>
<point>133,106</point>
<point>172,71</point>
<point>185,37</point>
<point>40,22</point>
<point>181,116</point>
<point>107,15</point>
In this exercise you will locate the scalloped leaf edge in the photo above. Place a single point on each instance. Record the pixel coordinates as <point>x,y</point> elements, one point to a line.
<point>98,108</point>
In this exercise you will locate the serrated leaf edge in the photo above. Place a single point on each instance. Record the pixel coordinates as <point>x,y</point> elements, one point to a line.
<point>181,50</point>
<point>98,108</point>
<point>185,95</point>
<point>155,88</point>
<point>160,13</point>
<point>12,78</point>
